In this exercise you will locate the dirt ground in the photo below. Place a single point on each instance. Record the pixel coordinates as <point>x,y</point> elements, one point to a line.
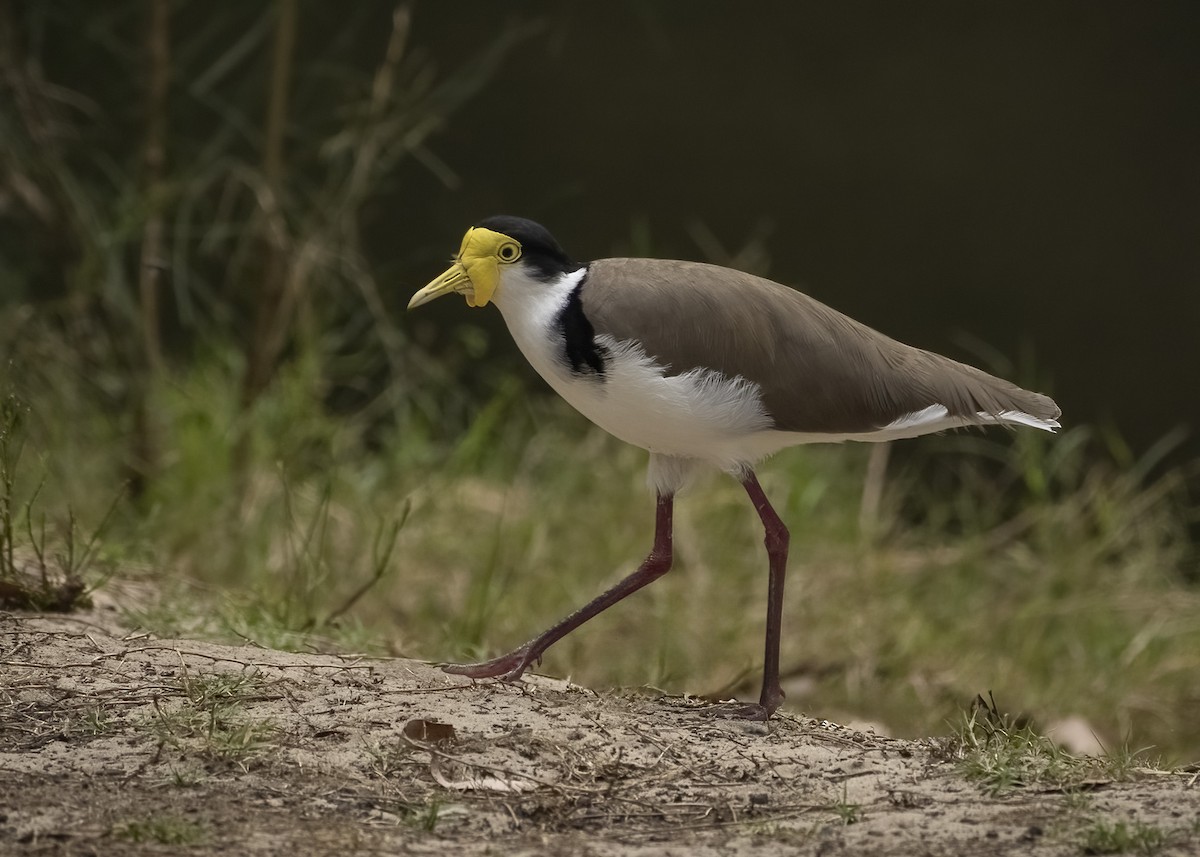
<point>115,743</point>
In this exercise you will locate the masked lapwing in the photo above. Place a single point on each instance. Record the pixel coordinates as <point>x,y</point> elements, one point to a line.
<point>704,365</point>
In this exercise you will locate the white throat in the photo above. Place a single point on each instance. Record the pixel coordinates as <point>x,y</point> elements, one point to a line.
<point>530,307</point>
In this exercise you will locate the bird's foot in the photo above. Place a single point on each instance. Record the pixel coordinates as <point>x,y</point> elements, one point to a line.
<point>506,667</point>
<point>761,710</point>
<point>738,711</point>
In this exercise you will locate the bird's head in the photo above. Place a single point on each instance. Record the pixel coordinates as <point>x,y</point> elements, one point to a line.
<point>492,250</point>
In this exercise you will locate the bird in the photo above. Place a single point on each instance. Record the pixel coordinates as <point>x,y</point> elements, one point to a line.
<point>704,365</point>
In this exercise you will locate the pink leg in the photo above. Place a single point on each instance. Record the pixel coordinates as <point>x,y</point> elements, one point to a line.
<point>777,539</point>
<point>510,667</point>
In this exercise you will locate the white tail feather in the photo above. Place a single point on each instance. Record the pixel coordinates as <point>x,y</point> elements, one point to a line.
<point>937,417</point>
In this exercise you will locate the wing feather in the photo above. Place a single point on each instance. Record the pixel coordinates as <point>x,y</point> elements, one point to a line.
<point>819,370</point>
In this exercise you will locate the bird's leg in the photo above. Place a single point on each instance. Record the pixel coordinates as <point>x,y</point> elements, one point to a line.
<point>777,538</point>
<point>510,667</point>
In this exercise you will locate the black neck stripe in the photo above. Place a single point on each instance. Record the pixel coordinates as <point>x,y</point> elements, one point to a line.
<point>582,352</point>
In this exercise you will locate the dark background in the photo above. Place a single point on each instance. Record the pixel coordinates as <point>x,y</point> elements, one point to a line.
<point>1020,177</point>
<point>1014,184</point>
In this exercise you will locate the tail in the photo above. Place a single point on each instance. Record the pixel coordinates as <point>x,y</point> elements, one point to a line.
<point>1020,418</point>
<point>989,399</point>
<point>966,396</point>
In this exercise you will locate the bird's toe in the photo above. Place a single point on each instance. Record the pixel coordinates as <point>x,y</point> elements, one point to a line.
<point>739,711</point>
<point>508,667</point>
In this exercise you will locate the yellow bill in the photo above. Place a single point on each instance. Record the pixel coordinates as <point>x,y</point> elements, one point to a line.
<point>455,279</point>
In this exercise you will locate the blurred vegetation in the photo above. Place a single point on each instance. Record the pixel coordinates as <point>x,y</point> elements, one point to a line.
<point>195,335</point>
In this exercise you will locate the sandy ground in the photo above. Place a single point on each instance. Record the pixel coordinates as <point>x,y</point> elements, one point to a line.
<point>116,743</point>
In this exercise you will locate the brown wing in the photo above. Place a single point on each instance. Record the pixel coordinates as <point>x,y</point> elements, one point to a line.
<point>819,370</point>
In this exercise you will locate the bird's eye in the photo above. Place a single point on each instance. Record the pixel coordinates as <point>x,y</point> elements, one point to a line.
<point>509,252</point>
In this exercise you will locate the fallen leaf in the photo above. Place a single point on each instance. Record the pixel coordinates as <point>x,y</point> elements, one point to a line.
<point>429,731</point>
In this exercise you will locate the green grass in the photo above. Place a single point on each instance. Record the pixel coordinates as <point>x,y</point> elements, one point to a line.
<point>847,812</point>
<point>424,817</point>
<point>163,829</point>
<point>40,568</point>
<point>1002,756</point>
<point>1121,837</point>
<point>209,712</point>
<point>1040,567</point>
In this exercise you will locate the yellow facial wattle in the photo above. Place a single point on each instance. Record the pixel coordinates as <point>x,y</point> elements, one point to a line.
<point>475,273</point>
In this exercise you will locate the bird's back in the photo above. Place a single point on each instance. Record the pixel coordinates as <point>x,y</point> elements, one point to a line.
<point>819,371</point>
